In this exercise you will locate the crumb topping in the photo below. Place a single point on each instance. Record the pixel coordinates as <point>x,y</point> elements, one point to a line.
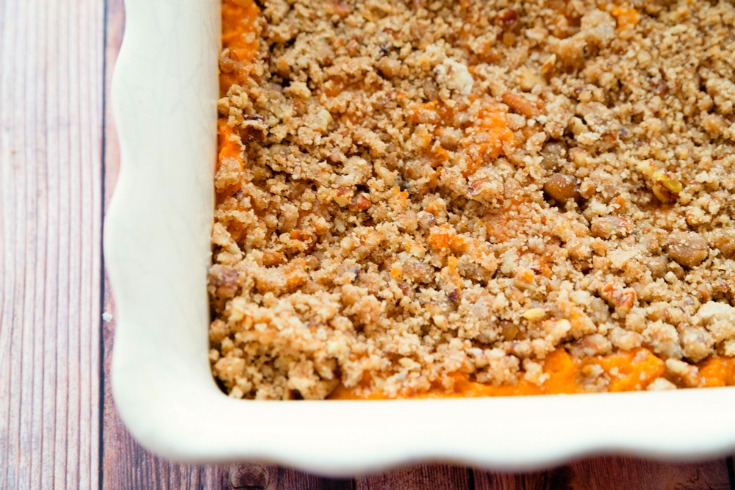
<point>408,191</point>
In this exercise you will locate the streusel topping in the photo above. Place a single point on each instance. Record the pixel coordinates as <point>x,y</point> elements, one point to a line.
<point>414,192</point>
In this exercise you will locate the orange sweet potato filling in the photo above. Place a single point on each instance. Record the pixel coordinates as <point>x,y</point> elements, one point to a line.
<point>565,375</point>
<point>228,147</point>
<point>718,372</point>
<point>628,371</point>
<point>239,40</point>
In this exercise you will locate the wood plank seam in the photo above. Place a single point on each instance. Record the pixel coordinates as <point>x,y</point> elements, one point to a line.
<point>50,300</point>
<point>103,153</point>
<point>36,429</point>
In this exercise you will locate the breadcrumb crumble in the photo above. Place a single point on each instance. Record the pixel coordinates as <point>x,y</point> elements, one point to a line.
<point>471,198</point>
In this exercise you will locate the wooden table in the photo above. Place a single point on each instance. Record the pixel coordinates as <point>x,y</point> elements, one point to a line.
<point>58,166</point>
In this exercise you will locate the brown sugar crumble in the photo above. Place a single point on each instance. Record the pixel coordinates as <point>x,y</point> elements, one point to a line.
<point>428,196</point>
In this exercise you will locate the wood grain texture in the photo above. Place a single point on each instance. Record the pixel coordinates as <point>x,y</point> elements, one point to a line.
<point>51,114</point>
<point>603,473</point>
<point>613,472</point>
<point>439,477</point>
<point>59,160</point>
<point>485,480</point>
<point>289,479</point>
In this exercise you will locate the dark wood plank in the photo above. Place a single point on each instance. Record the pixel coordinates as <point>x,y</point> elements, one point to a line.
<point>289,479</point>
<point>485,480</point>
<point>51,54</point>
<point>422,477</point>
<point>253,476</point>
<point>609,472</point>
<point>613,472</point>
<point>262,477</point>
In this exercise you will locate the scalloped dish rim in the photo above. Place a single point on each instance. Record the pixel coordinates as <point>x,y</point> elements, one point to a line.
<point>157,252</point>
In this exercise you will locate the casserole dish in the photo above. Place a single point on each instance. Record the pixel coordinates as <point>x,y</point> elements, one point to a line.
<point>158,251</point>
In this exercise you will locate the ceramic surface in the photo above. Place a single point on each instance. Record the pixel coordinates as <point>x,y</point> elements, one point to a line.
<point>157,252</point>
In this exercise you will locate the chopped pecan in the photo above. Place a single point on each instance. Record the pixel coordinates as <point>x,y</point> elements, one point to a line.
<point>562,187</point>
<point>338,7</point>
<point>683,374</point>
<point>521,105</point>
<point>343,195</point>
<point>724,241</point>
<point>507,18</point>
<point>389,67</point>
<point>302,236</point>
<point>609,226</point>
<point>360,202</point>
<point>687,248</point>
<point>273,258</point>
<point>621,298</point>
<point>547,68</point>
<point>510,331</point>
<point>224,280</point>
<point>666,187</point>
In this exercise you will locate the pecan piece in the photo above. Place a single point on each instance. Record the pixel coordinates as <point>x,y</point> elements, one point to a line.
<point>223,280</point>
<point>522,105</point>
<point>507,18</point>
<point>621,298</point>
<point>361,203</point>
<point>687,248</point>
<point>610,226</point>
<point>562,187</point>
<point>666,187</point>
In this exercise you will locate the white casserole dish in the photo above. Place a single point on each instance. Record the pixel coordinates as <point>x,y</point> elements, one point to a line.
<point>157,253</point>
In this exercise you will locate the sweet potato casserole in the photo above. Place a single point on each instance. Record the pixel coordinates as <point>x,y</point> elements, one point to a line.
<point>427,198</point>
